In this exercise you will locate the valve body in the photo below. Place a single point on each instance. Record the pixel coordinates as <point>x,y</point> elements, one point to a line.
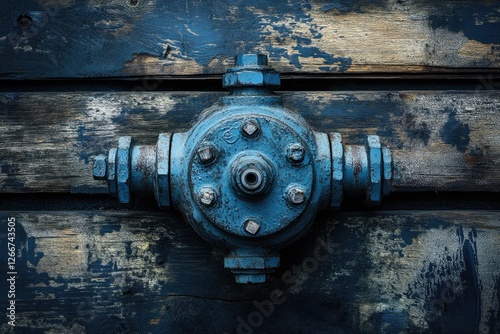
<point>250,175</point>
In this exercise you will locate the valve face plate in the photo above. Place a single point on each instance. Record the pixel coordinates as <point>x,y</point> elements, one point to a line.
<point>256,173</point>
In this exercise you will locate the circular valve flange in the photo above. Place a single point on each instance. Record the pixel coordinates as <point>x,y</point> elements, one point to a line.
<point>260,169</point>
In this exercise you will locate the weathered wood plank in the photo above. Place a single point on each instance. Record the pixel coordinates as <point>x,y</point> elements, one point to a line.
<point>442,141</point>
<point>401,271</point>
<point>64,38</point>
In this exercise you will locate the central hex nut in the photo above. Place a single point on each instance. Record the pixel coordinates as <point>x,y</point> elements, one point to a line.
<point>251,226</point>
<point>251,174</point>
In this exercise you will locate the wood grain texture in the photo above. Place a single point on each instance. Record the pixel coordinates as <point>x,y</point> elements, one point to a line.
<point>142,272</point>
<point>441,141</point>
<point>66,38</point>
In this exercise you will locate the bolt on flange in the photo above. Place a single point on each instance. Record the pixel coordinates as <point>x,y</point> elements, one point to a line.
<point>208,196</point>
<point>296,195</point>
<point>206,153</point>
<point>251,226</point>
<point>251,128</point>
<point>295,153</point>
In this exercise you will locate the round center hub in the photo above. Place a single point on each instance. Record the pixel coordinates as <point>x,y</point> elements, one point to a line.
<point>251,175</point>
<point>251,179</point>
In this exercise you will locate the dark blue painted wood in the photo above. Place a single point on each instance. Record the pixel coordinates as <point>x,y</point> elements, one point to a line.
<point>134,37</point>
<point>354,272</point>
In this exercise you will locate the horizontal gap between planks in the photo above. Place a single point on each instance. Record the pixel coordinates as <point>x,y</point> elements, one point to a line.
<point>289,82</point>
<point>399,201</point>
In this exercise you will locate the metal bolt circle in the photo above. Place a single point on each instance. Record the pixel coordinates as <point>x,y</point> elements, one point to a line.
<point>251,226</point>
<point>237,157</point>
<point>208,196</point>
<point>295,153</point>
<point>251,127</point>
<point>296,195</point>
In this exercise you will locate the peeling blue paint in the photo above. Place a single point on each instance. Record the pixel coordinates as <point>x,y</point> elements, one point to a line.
<point>195,30</point>
<point>348,6</point>
<point>416,131</point>
<point>33,257</point>
<point>342,63</point>
<point>27,274</point>
<point>109,228</point>
<point>456,300</point>
<point>198,30</point>
<point>476,21</point>
<point>408,236</point>
<point>83,140</point>
<point>454,132</point>
<point>98,267</point>
<point>128,248</point>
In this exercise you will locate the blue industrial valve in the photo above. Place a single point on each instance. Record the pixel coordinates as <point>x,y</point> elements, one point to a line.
<point>250,175</point>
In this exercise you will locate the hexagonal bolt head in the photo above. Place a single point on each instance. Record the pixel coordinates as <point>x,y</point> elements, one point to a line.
<point>251,78</point>
<point>296,196</point>
<point>295,153</point>
<point>208,196</point>
<point>251,128</point>
<point>206,154</point>
<point>100,167</point>
<point>251,226</point>
<point>251,60</point>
